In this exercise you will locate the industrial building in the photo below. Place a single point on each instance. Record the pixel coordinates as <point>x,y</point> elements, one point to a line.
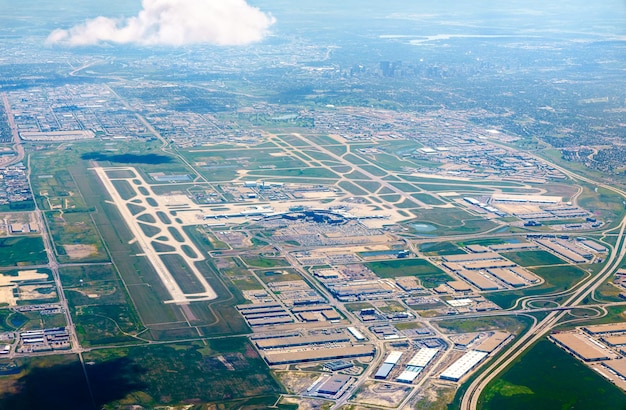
<point>389,363</point>
<point>410,374</point>
<point>493,342</point>
<point>288,357</point>
<point>469,257</point>
<point>459,286</point>
<point>463,365</point>
<point>582,347</point>
<point>477,279</point>
<point>334,385</point>
<point>338,365</point>
<point>617,366</point>
<point>522,246</point>
<point>357,335</point>
<point>618,340</point>
<point>603,329</point>
<point>359,290</point>
<point>507,276</point>
<point>301,341</point>
<point>535,199</point>
<point>562,251</point>
<point>594,246</point>
<point>423,357</point>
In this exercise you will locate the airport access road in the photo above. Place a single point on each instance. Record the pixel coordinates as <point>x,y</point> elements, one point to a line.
<point>17,143</point>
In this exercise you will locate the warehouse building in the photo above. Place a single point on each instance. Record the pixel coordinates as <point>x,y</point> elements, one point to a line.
<point>617,366</point>
<point>286,357</point>
<point>301,341</point>
<point>581,347</point>
<point>562,251</point>
<point>478,280</point>
<point>334,385</point>
<point>468,257</point>
<point>463,365</point>
<point>493,342</point>
<point>388,365</point>
<point>357,335</point>
<point>507,276</point>
<point>603,329</point>
<point>522,246</point>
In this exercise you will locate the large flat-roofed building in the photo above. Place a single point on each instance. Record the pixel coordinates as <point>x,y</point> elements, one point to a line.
<point>491,264</point>
<point>508,277</point>
<point>423,357</point>
<point>459,286</point>
<point>468,257</point>
<point>595,246</point>
<point>393,357</point>
<point>286,357</point>
<point>536,199</point>
<point>493,342</point>
<point>562,251</point>
<point>581,346</point>
<point>463,365</point>
<point>384,370</point>
<point>390,361</point>
<point>522,246</point>
<point>355,332</point>
<point>617,366</point>
<point>608,328</point>
<point>301,341</point>
<point>333,385</point>
<point>615,340</point>
<point>527,275</point>
<point>478,280</point>
<point>410,374</point>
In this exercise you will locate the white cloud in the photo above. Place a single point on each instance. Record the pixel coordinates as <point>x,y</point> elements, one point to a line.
<point>174,23</point>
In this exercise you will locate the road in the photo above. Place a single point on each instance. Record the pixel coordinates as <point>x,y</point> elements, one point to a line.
<point>471,398</point>
<point>17,143</point>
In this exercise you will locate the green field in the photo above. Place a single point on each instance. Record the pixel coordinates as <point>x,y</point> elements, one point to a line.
<point>260,261</point>
<point>533,258</point>
<point>22,251</point>
<point>221,371</point>
<point>507,323</point>
<point>99,304</point>
<point>548,378</point>
<point>440,248</point>
<point>430,275</point>
<point>69,229</point>
<point>557,278</point>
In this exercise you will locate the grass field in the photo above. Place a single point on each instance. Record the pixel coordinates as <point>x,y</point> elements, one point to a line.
<point>70,229</point>
<point>507,323</point>
<point>430,275</point>
<point>546,377</point>
<point>440,248</point>
<point>179,374</point>
<point>99,304</point>
<point>22,251</point>
<point>260,261</point>
<point>557,278</point>
<point>533,258</point>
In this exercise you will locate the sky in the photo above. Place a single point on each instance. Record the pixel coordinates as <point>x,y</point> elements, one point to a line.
<point>173,23</point>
